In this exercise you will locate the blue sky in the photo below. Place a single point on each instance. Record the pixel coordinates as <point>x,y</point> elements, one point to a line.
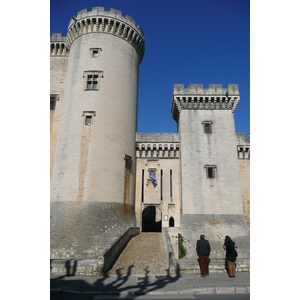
<point>187,42</point>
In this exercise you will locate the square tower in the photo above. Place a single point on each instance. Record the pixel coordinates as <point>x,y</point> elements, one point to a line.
<point>211,196</point>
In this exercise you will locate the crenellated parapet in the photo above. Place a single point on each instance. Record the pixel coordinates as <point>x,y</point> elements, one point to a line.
<point>58,45</point>
<point>196,97</point>
<point>157,145</point>
<point>110,22</point>
<point>243,146</point>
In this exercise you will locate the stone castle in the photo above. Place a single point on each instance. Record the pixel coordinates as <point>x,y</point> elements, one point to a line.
<point>108,182</point>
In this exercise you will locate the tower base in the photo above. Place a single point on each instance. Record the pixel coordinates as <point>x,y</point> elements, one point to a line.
<point>215,228</point>
<point>83,230</point>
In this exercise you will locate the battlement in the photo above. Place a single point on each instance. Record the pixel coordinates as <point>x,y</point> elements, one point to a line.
<point>58,45</point>
<point>111,22</point>
<point>113,13</point>
<point>213,89</point>
<point>195,97</point>
<point>157,137</point>
<point>243,146</point>
<point>241,139</point>
<point>57,37</point>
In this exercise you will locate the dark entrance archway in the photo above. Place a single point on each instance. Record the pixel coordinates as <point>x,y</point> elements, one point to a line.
<point>151,219</point>
<point>171,222</point>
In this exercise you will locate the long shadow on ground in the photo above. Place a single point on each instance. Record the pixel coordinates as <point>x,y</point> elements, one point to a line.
<point>68,287</point>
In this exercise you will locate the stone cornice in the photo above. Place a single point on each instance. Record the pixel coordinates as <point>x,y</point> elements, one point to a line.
<point>161,150</point>
<point>109,22</point>
<point>196,97</point>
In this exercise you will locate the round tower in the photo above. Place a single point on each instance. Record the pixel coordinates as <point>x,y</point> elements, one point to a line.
<point>93,176</point>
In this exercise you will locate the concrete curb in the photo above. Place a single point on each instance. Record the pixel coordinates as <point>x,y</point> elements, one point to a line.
<point>206,290</point>
<point>193,291</point>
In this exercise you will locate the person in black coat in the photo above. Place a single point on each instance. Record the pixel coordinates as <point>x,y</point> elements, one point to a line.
<point>203,251</point>
<point>231,255</point>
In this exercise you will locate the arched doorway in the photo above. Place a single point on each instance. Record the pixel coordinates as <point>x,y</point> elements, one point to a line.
<point>151,219</point>
<point>171,222</point>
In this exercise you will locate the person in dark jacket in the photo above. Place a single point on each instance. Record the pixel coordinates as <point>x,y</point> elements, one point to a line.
<point>231,255</point>
<point>203,251</point>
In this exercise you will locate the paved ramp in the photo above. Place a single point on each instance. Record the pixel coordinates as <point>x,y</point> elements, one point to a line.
<point>145,254</point>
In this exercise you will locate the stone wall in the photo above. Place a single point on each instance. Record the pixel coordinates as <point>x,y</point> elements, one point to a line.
<point>189,266</point>
<point>173,235</point>
<point>94,266</point>
<point>173,270</point>
<point>58,69</point>
<point>243,149</point>
<point>219,195</point>
<point>111,254</point>
<point>215,228</point>
<point>85,229</point>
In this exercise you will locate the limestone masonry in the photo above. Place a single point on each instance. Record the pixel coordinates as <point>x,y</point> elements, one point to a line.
<point>106,177</point>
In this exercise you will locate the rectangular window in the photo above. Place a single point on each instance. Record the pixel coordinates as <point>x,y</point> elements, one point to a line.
<point>128,162</point>
<point>95,53</point>
<point>211,171</point>
<point>92,82</point>
<point>88,120</point>
<point>152,176</point>
<point>52,103</point>
<point>53,99</point>
<point>207,128</point>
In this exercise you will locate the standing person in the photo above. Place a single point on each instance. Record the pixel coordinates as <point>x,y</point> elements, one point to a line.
<point>231,255</point>
<point>203,251</point>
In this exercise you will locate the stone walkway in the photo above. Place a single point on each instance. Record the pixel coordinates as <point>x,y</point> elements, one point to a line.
<point>144,254</point>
